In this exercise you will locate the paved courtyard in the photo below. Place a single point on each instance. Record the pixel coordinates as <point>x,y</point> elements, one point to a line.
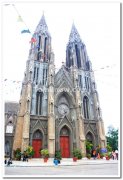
<point>83,168</point>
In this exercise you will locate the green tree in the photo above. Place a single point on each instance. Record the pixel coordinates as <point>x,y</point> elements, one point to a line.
<point>112,137</point>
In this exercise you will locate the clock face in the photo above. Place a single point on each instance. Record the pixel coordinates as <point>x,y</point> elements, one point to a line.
<point>63,109</point>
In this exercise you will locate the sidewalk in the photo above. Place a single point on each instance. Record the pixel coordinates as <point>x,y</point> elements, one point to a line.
<point>64,162</point>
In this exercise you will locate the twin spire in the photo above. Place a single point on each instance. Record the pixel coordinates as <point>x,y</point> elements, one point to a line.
<point>74,35</point>
<point>43,28</point>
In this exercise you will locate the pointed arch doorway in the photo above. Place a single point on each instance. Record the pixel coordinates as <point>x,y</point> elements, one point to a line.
<point>90,139</point>
<point>37,143</point>
<point>65,142</point>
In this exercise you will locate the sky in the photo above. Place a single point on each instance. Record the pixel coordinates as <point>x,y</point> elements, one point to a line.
<point>99,27</point>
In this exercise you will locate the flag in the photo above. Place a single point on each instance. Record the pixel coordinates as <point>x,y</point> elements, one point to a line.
<point>20,19</point>
<point>33,40</point>
<point>25,31</point>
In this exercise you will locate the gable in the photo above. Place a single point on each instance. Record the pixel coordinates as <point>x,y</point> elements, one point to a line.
<point>63,79</point>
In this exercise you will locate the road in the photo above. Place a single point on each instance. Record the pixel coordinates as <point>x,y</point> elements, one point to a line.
<point>79,170</point>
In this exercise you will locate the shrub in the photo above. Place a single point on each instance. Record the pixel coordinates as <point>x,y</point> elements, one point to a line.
<point>45,153</point>
<point>88,156</point>
<point>109,148</point>
<point>58,155</point>
<point>102,155</point>
<point>17,154</point>
<point>77,153</point>
<point>30,151</point>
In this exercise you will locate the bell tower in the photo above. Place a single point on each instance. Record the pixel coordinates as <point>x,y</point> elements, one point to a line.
<point>33,110</point>
<point>87,101</point>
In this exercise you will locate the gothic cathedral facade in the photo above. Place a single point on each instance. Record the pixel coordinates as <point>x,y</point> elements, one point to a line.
<point>58,111</point>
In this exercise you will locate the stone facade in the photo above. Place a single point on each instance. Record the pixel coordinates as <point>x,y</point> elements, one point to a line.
<point>11,109</point>
<point>58,109</point>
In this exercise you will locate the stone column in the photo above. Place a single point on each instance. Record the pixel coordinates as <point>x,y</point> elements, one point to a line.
<point>96,104</point>
<point>26,121</point>
<point>102,137</point>
<point>20,119</point>
<point>18,133</point>
<point>80,124</point>
<point>51,116</point>
<point>79,115</point>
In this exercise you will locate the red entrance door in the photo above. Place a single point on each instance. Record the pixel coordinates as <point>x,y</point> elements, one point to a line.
<point>37,144</point>
<point>65,146</point>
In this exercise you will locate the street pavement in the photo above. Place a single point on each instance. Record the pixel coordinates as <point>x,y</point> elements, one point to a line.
<point>83,168</point>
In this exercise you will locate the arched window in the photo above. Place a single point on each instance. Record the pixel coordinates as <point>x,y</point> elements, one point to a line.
<point>87,83</point>
<point>39,96</point>
<point>86,107</point>
<point>7,148</point>
<point>45,48</point>
<point>64,131</point>
<point>78,56</point>
<point>9,127</point>
<point>37,134</point>
<point>98,111</point>
<point>39,43</point>
<point>89,137</point>
<point>87,66</point>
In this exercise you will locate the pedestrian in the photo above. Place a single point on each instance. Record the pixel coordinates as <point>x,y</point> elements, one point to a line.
<point>98,156</point>
<point>59,161</point>
<point>113,155</point>
<point>5,161</point>
<point>55,161</point>
<point>26,157</point>
<point>94,154</point>
<point>9,161</point>
<point>116,152</point>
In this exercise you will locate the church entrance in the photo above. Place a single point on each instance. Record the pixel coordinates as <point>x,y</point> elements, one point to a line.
<point>65,142</point>
<point>90,143</point>
<point>37,143</point>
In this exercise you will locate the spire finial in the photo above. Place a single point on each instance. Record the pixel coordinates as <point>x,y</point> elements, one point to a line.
<point>42,26</point>
<point>74,35</point>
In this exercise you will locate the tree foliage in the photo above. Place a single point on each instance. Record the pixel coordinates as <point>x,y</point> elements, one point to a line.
<point>112,137</point>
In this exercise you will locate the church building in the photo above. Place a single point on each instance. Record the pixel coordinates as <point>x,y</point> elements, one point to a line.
<point>58,111</point>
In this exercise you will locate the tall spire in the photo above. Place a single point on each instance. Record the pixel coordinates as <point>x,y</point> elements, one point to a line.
<point>42,26</point>
<point>74,35</point>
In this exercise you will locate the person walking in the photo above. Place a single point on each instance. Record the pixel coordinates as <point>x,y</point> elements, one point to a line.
<point>113,155</point>
<point>9,161</point>
<point>116,152</point>
<point>94,154</point>
<point>55,161</point>
<point>5,161</point>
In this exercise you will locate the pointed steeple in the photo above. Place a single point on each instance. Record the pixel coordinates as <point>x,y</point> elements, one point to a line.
<point>74,35</point>
<point>42,26</point>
